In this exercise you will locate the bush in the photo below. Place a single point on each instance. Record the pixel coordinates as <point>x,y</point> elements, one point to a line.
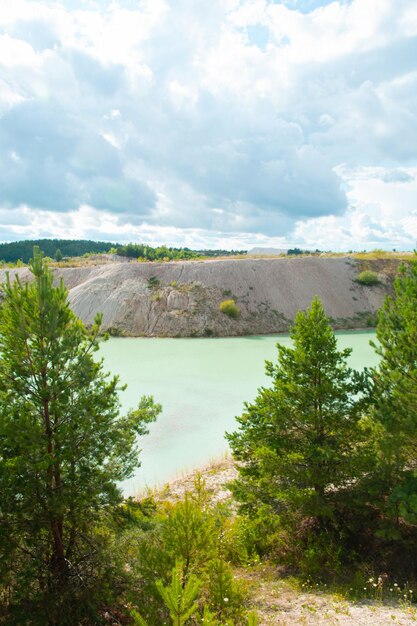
<point>153,282</point>
<point>183,541</point>
<point>229,308</point>
<point>367,278</point>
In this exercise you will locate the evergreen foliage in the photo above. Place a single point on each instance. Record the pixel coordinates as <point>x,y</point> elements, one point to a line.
<point>23,250</point>
<point>148,253</point>
<point>63,448</point>
<point>180,595</point>
<point>327,462</point>
<point>191,534</point>
<point>395,403</point>
<point>164,253</point>
<point>300,445</point>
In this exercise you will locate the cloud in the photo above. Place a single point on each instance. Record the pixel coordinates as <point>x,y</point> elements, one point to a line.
<point>396,176</point>
<point>250,118</point>
<point>382,212</point>
<point>52,162</point>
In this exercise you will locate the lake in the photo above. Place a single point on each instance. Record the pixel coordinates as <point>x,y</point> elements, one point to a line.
<point>202,385</point>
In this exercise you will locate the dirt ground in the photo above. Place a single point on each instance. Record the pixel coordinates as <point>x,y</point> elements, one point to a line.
<point>278,603</point>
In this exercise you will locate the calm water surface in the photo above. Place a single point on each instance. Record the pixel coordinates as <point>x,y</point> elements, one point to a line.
<point>202,385</point>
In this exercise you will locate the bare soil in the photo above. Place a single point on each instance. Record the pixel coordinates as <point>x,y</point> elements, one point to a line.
<point>182,299</point>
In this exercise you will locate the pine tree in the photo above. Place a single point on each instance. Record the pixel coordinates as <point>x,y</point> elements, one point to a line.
<point>395,400</point>
<point>180,597</point>
<point>298,444</point>
<point>63,445</point>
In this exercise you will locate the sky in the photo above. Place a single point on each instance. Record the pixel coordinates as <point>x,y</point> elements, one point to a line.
<point>210,123</point>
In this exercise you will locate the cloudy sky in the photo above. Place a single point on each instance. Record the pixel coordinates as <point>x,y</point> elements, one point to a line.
<point>232,123</point>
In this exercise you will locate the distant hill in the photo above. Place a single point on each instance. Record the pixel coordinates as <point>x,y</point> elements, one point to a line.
<point>23,250</point>
<point>267,251</point>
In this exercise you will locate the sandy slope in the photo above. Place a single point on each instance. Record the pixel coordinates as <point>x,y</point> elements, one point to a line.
<point>185,296</point>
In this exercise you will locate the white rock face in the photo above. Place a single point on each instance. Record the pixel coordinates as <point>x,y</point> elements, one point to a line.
<point>177,301</point>
<point>183,298</point>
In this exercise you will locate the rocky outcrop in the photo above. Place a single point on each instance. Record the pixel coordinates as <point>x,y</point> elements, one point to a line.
<point>181,299</point>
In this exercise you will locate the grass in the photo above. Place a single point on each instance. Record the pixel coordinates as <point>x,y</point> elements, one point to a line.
<point>369,600</point>
<point>384,254</point>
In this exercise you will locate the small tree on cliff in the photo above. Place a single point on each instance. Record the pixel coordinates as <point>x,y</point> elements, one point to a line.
<point>297,444</point>
<point>63,445</point>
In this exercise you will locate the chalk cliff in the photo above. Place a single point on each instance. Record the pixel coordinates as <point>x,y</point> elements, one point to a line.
<point>182,298</point>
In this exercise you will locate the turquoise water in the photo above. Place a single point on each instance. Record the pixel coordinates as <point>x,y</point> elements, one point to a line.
<point>202,385</point>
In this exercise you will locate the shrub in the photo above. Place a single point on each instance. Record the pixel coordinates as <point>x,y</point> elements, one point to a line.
<point>367,278</point>
<point>153,282</point>
<point>115,331</point>
<point>178,543</point>
<point>229,308</point>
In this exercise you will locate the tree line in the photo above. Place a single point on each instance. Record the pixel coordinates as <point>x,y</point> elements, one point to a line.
<point>327,484</point>
<point>164,253</point>
<point>57,249</point>
<point>23,250</point>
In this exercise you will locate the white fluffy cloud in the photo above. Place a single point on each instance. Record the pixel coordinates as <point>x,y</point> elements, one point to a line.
<point>231,122</point>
